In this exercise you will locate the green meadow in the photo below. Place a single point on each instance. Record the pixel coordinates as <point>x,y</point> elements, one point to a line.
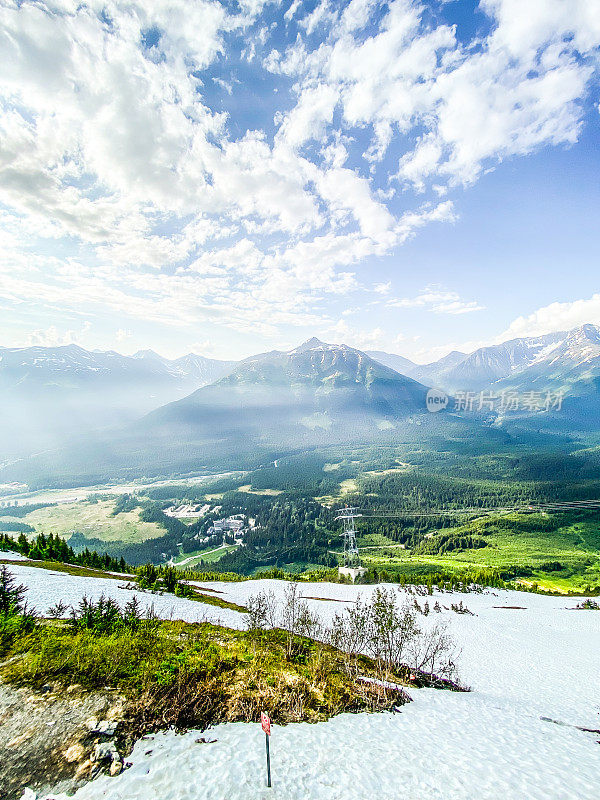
<point>95,519</point>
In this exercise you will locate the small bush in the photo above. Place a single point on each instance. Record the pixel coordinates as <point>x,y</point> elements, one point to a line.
<point>589,605</point>
<point>15,618</point>
<point>106,617</point>
<point>392,636</point>
<point>162,579</point>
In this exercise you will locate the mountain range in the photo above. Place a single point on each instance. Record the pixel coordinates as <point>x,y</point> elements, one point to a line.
<point>567,360</point>
<point>269,404</point>
<point>570,369</point>
<point>195,411</point>
<point>563,364</point>
<point>333,389</point>
<point>47,393</point>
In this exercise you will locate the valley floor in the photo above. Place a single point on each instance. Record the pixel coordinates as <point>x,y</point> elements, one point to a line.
<point>531,661</point>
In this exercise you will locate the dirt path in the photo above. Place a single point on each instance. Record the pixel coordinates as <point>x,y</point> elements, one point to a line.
<point>200,555</point>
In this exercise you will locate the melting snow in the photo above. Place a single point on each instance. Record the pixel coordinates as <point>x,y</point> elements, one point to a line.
<point>46,588</point>
<point>10,555</point>
<point>534,674</point>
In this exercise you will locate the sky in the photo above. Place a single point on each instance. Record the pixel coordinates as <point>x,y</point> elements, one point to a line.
<point>232,177</point>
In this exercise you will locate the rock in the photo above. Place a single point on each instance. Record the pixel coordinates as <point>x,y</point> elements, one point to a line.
<point>74,753</point>
<point>115,768</point>
<point>84,769</point>
<point>106,727</point>
<point>106,751</point>
<point>18,740</point>
<point>116,710</point>
<point>39,734</point>
<point>103,727</point>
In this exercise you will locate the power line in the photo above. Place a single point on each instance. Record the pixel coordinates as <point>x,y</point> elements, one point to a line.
<point>348,514</point>
<point>566,505</point>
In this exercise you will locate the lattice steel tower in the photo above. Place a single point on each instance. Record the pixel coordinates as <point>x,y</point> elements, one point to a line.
<point>348,514</point>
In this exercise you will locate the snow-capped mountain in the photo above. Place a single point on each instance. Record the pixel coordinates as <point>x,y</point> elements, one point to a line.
<point>71,365</point>
<point>489,364</point>
<point>47,393</point>
<point>310,395</point>
<point>565,364</point>
<point>572,365</point>
<point>458,371</point>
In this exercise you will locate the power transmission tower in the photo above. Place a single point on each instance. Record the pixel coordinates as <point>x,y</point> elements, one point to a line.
<point>347,515</point>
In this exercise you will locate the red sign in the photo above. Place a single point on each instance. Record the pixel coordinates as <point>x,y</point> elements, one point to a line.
<point>265,722</point>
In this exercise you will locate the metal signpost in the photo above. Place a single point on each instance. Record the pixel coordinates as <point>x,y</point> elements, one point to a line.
<point>266,726</point>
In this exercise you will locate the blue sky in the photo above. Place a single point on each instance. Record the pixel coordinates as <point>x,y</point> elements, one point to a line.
<point>233,177</point>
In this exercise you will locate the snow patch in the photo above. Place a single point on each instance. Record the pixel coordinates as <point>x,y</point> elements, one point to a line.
<point>45,588</point>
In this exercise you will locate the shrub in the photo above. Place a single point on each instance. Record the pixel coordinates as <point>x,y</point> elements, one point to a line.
<point>589,605</point>
<point>15,617</point>
<point>106,617</point>
<point>162,579</point>
<point>392,636</point>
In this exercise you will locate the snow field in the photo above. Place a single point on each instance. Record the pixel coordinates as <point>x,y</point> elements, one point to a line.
<point>443,746</point>
<point>10,555</point>
<point>46,587</point>
<point>540,660</point>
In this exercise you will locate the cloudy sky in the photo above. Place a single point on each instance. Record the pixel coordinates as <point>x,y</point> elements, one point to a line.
<point>230,177</point>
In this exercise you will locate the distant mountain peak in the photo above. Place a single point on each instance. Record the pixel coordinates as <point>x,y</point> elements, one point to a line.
<point>66,390</point>
<point>585,332</point>
<point>310,344</point>
<point>314,392</point>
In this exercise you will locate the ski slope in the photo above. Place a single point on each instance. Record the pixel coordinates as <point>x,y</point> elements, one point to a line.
<point>544,655</point>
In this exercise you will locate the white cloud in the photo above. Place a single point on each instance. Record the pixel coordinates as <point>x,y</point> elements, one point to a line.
<point>356,14</point>
<point>126,188</point>
<point>383,288</point>
<point>555,317</point>
<point>322,14</point>
<point>424,160</point>
<point>559,316</point>
<point>545,21</point>
<point>438,300</point>
<point>516,90</point>
<point>345,191</point>
<point>309,118</point>
<point>53,337</point>
<point>410,222</point>
<point>373,339</point>
<point>291,12</point>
